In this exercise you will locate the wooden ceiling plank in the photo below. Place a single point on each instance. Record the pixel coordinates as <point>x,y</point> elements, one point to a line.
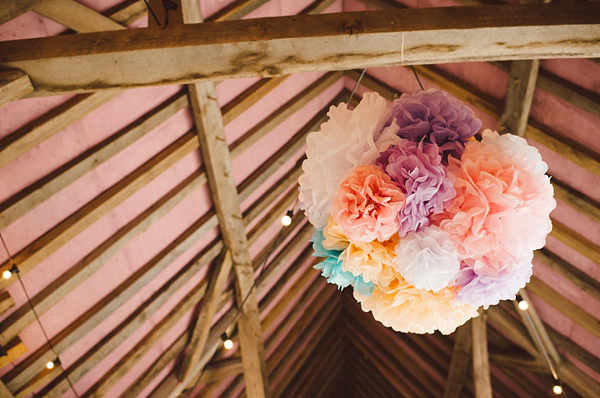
<point>37,192</point>
<point>355,40</point>
<point>95,355</point>
<point>481,363</point>
<point>512,329</point>
<point>519,96</point>
<point>389,367</point>
<point>6,301</point>
<point>577,200</point>
<point>4,392</point>
<point>569,346</point>
<point>577,241</point>
<point>326,332</point>
<point>459,364</point>
<point>324,357</point>
<point>53,121</point>
<point>564,305</point>
<point>579,278</point>
<point>517,376</point>
<point>537,329</point>
<point>221,369</point>
<point>14,349</point>
<point>10,9</point>
<point>201,329</point>
<point>130,12</point>
<point>284,111</point>
<point>44,300</point>
<point>316,7</point>
<point>76,16</point>
<point>14,84</point>
<point>236,10</point>
<point>166,357</point>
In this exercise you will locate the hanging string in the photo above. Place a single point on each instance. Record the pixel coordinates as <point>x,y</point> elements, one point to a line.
<point>15,271</point>
<point>356,84</point>
<point>152,12</point>
<point>417,76</point>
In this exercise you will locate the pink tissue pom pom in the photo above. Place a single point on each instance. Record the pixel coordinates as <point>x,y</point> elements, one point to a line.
<point>501,212</point>
<point>367,205</point>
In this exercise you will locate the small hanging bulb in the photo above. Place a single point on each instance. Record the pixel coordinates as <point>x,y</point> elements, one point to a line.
<point>50,365</point>
<point>522,304</point>
<point>227,343</point>
<point>286,220</point>
<point>557,388</point>
<point>7,273</point>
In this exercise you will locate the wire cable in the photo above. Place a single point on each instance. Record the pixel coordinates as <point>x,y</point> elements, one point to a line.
<point>15,270</point>
<point>356,84</point>
<point>417,76</point>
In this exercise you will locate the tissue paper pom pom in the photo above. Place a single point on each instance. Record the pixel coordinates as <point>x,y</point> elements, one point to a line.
<point>348,139</point>
<point>427,259</point>
<point>417,169</point>
<point>405,308</point>
<point>367,204</point>
<point>437,116</point>
<point>483,290</point>
<point>372,261</point>
<point>331,268</point>
<point>501,210</point>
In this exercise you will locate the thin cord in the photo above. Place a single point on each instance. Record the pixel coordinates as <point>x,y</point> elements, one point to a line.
<point>17,272</point>
<point>356,84</point>
<point>537,338</point>
<point>152,12</point>
<point>417,76</point>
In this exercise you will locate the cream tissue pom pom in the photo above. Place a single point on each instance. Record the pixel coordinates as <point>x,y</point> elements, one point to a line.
<point>350,138</point>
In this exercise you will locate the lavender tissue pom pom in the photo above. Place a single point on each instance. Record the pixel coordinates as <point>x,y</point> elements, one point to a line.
<point>437,117</point>
<point>417,169</point>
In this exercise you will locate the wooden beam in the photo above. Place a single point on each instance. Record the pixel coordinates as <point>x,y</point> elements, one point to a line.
<point>459,364</point>
<point>76,16</point>
<point>481,363</point>
<point>284,45</point>
<point>14,349</point>
<point>217,161</point>
<point>130,12</point>
<point>10,9</point>
<point>203,323</point>
<point>13,85</point>
<point>519,95</point>
<point>577,200</point>
<point>6,301</point>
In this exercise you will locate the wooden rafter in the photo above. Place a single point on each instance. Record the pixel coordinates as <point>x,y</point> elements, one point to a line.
<point>277,46</point>
<point>519,95</point>
<point>13,85</point>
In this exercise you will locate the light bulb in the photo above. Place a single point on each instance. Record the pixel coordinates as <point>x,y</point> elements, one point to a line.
<point>286,220</point>
<point>50,365</point>
<point>6,274</point>
<point>228,344</point>
<point>557,389</point>
<point>523,305</point>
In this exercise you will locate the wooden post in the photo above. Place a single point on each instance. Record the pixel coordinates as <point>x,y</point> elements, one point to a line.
<point>519,95</point>
<point>459,364</point>
<point>217,161</point>
<point>13,85</point>
<point>481,363</point>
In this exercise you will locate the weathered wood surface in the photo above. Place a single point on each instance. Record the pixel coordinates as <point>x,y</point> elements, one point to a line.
<point>10,9</point>
<point>481,363</point>
<point>519,95</point>
<point>13,85</point>
<point>76,16</point>
<point>285,45</point>
<point>459,365</point>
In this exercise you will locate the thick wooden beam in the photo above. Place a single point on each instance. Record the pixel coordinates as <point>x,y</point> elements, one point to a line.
<point>459,364</point>
<point>519,95</point>
<point>13,85</point>
<point>284,45</point>
<point>6,301</point>
<point>209,307</point>
<point>481,363</point>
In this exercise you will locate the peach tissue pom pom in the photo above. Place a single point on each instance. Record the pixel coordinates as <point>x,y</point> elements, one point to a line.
<point>501,212</point>
<point>350,138</point>
<point>367,205</point>
<point>407,309</point>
